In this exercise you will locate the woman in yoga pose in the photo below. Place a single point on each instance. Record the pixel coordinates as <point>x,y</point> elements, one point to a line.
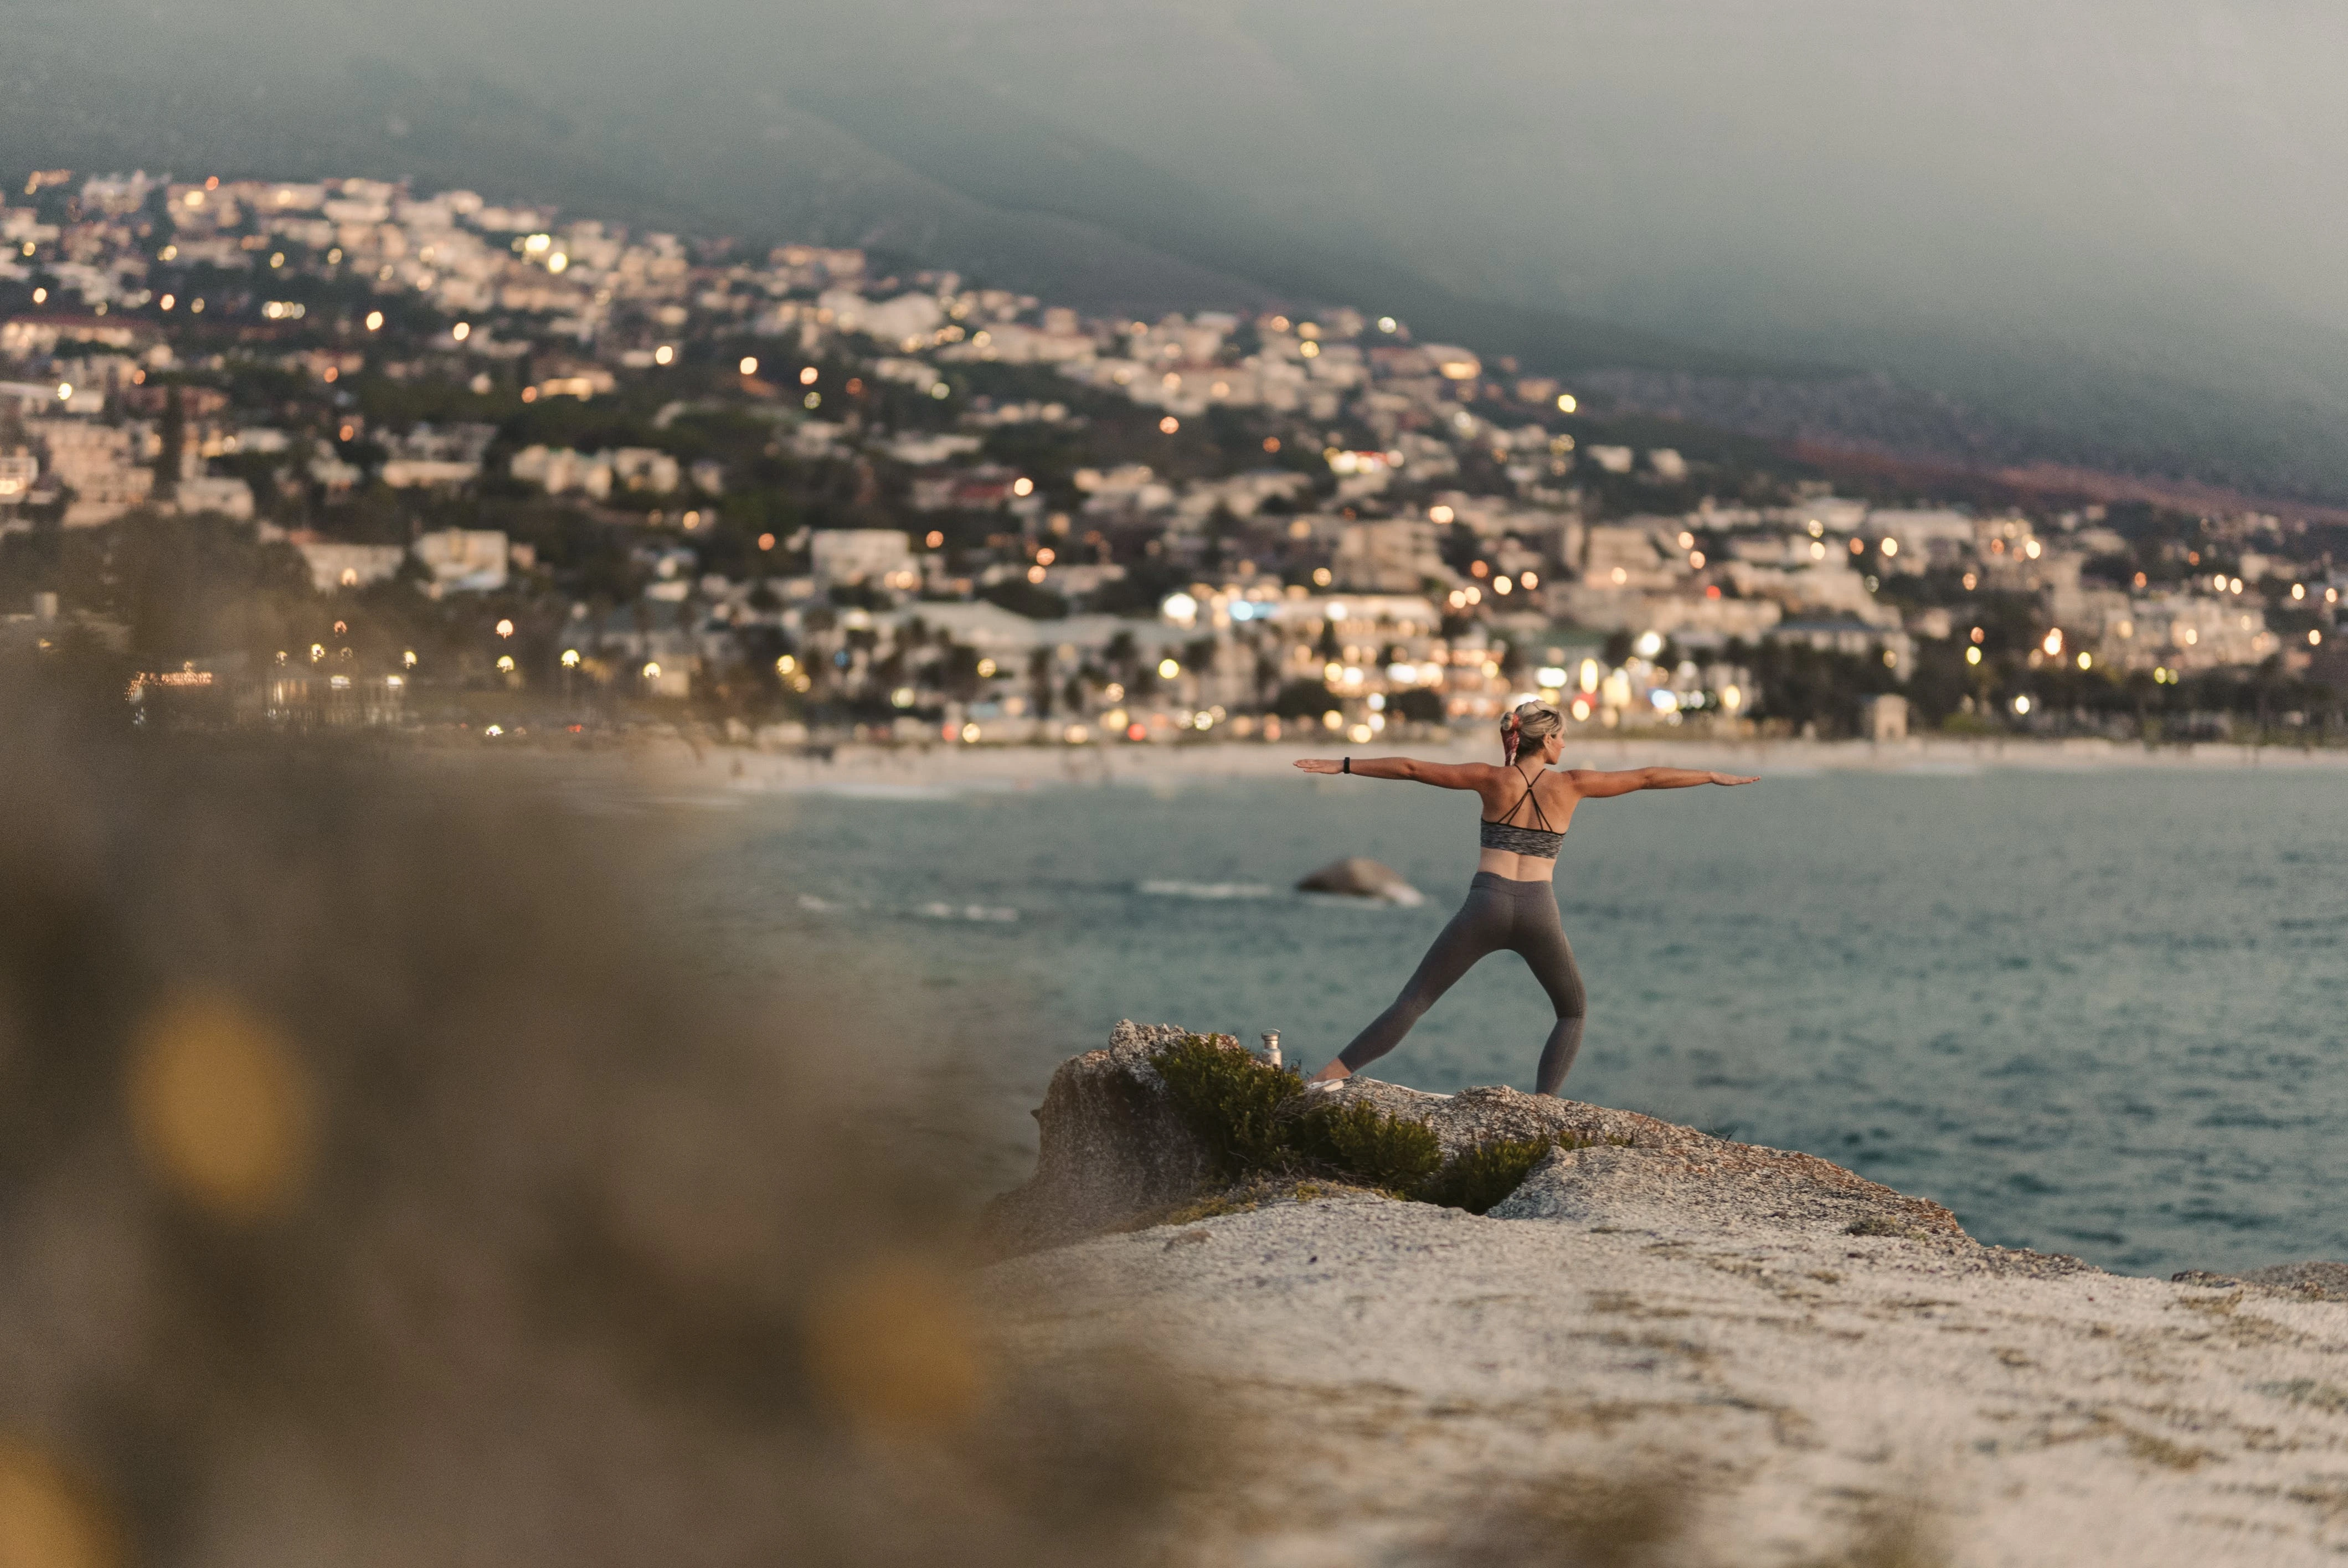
<point>1511,904</point>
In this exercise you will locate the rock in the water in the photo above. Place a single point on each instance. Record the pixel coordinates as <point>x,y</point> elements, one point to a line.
<point>1356,876</point>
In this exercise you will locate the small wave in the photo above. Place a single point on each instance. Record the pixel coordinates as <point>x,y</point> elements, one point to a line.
<point>994,913</point>
<point>1206,889</point>
<point>1396,898</point>
<point>819,905</point>
<point>888,792</point>
<point>698,802</point>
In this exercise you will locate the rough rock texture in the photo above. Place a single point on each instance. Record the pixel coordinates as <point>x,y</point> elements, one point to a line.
<point>2310,1281</point>
<point>1718,1185</point>
<point>1112,1147</point>
<point>2324,1281</point>
<point>1486,1114</point>
<point>1804,1366</point>
<point>1114,1153</point>
<point>1357,878</point>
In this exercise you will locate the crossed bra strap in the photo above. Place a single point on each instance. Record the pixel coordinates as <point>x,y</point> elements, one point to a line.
<point>1502,820</point>
<point>1499,833</point>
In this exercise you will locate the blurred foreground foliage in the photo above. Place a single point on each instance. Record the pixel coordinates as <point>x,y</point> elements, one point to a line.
<point>375,1187</point>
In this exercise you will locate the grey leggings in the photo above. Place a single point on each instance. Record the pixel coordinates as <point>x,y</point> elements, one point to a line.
<point>1520,917</point>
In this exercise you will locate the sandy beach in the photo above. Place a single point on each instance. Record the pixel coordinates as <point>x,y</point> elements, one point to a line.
<point>860,767</point>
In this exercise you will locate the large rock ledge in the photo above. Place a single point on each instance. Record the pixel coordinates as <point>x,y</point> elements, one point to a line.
<point>1114,1154</point>
<point>1780,1363</point>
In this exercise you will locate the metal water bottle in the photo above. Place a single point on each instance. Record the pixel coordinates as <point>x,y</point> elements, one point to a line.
<point>1272,1046</point>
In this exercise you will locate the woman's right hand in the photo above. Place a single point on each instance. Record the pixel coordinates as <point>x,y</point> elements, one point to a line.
<point>1317,764</point>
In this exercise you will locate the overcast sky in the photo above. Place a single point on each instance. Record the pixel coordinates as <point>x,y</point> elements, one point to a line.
<point>2155,188</point>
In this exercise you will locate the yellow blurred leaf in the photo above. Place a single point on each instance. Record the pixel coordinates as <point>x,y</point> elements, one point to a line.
<point>222,1109</point>
<point>891,1343</point>
<point>45,1521</point>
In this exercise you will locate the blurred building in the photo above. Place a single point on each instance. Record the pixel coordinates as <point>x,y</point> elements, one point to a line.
<point>465,561</point>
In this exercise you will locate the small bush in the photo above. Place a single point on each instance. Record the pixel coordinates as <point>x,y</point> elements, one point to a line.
<point>1232,1101</point>
<point>1478,1178</point>
<point>1375,1147</point>
<point>1228,1098</point>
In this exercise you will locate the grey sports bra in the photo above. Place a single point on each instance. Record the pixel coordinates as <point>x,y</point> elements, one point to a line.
<point>1541,843</point>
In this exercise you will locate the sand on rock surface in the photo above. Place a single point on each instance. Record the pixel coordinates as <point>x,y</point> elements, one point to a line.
<point>1733,1355</point>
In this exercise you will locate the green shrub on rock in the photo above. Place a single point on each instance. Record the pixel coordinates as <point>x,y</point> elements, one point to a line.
<point>1478,1178</point>
<point>1229,1097</point>
<point>1239,1106</point>
<point>1373,1146</point>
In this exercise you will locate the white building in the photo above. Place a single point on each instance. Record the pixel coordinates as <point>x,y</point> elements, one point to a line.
<point>339,565</point>
<point>19,471</point>
<point>1629,556</point>
<point>843,556</point>
<point>415,473</point>
<point>1831,514</point>
<point>1924,539</point>
<point>643,468</point>
<point>1883,717</point>
<point>465,561</point>
<point>96,462</point>
<point>557,470</point>
<point>1012,344</point>
<point>906,322</point>
<point>2196,632</point>
<point>1391,555</point>
<point>227,497</point>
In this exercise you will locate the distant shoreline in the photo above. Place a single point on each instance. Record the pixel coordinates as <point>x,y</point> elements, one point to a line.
<point>857,767</point>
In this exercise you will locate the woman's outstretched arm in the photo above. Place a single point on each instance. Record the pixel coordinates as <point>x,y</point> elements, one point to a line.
<point>1592,784</point>
<point>1442,775</point>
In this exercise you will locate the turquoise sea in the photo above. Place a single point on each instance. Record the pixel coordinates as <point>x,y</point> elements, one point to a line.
<point>2101,1012</point>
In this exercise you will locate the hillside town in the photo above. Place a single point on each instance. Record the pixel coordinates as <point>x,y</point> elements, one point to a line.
<point>342,452</point>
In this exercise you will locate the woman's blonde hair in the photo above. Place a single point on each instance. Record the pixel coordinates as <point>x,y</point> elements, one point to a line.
<point>1530,723</point>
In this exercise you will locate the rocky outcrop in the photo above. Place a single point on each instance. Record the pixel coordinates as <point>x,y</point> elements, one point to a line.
<point>1493,1114</point>
<point>1357,878</point>
<point>1114,1154</point>
<point>1717,1185</point>
<point>1809,1367</point>
<point>2308,1281</point>
<point>1112,1148</point>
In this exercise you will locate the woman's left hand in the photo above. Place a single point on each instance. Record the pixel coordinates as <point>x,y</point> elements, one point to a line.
<point>1317,764</point>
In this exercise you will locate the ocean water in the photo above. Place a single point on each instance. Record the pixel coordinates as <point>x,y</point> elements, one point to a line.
<point>2095,1012</point>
